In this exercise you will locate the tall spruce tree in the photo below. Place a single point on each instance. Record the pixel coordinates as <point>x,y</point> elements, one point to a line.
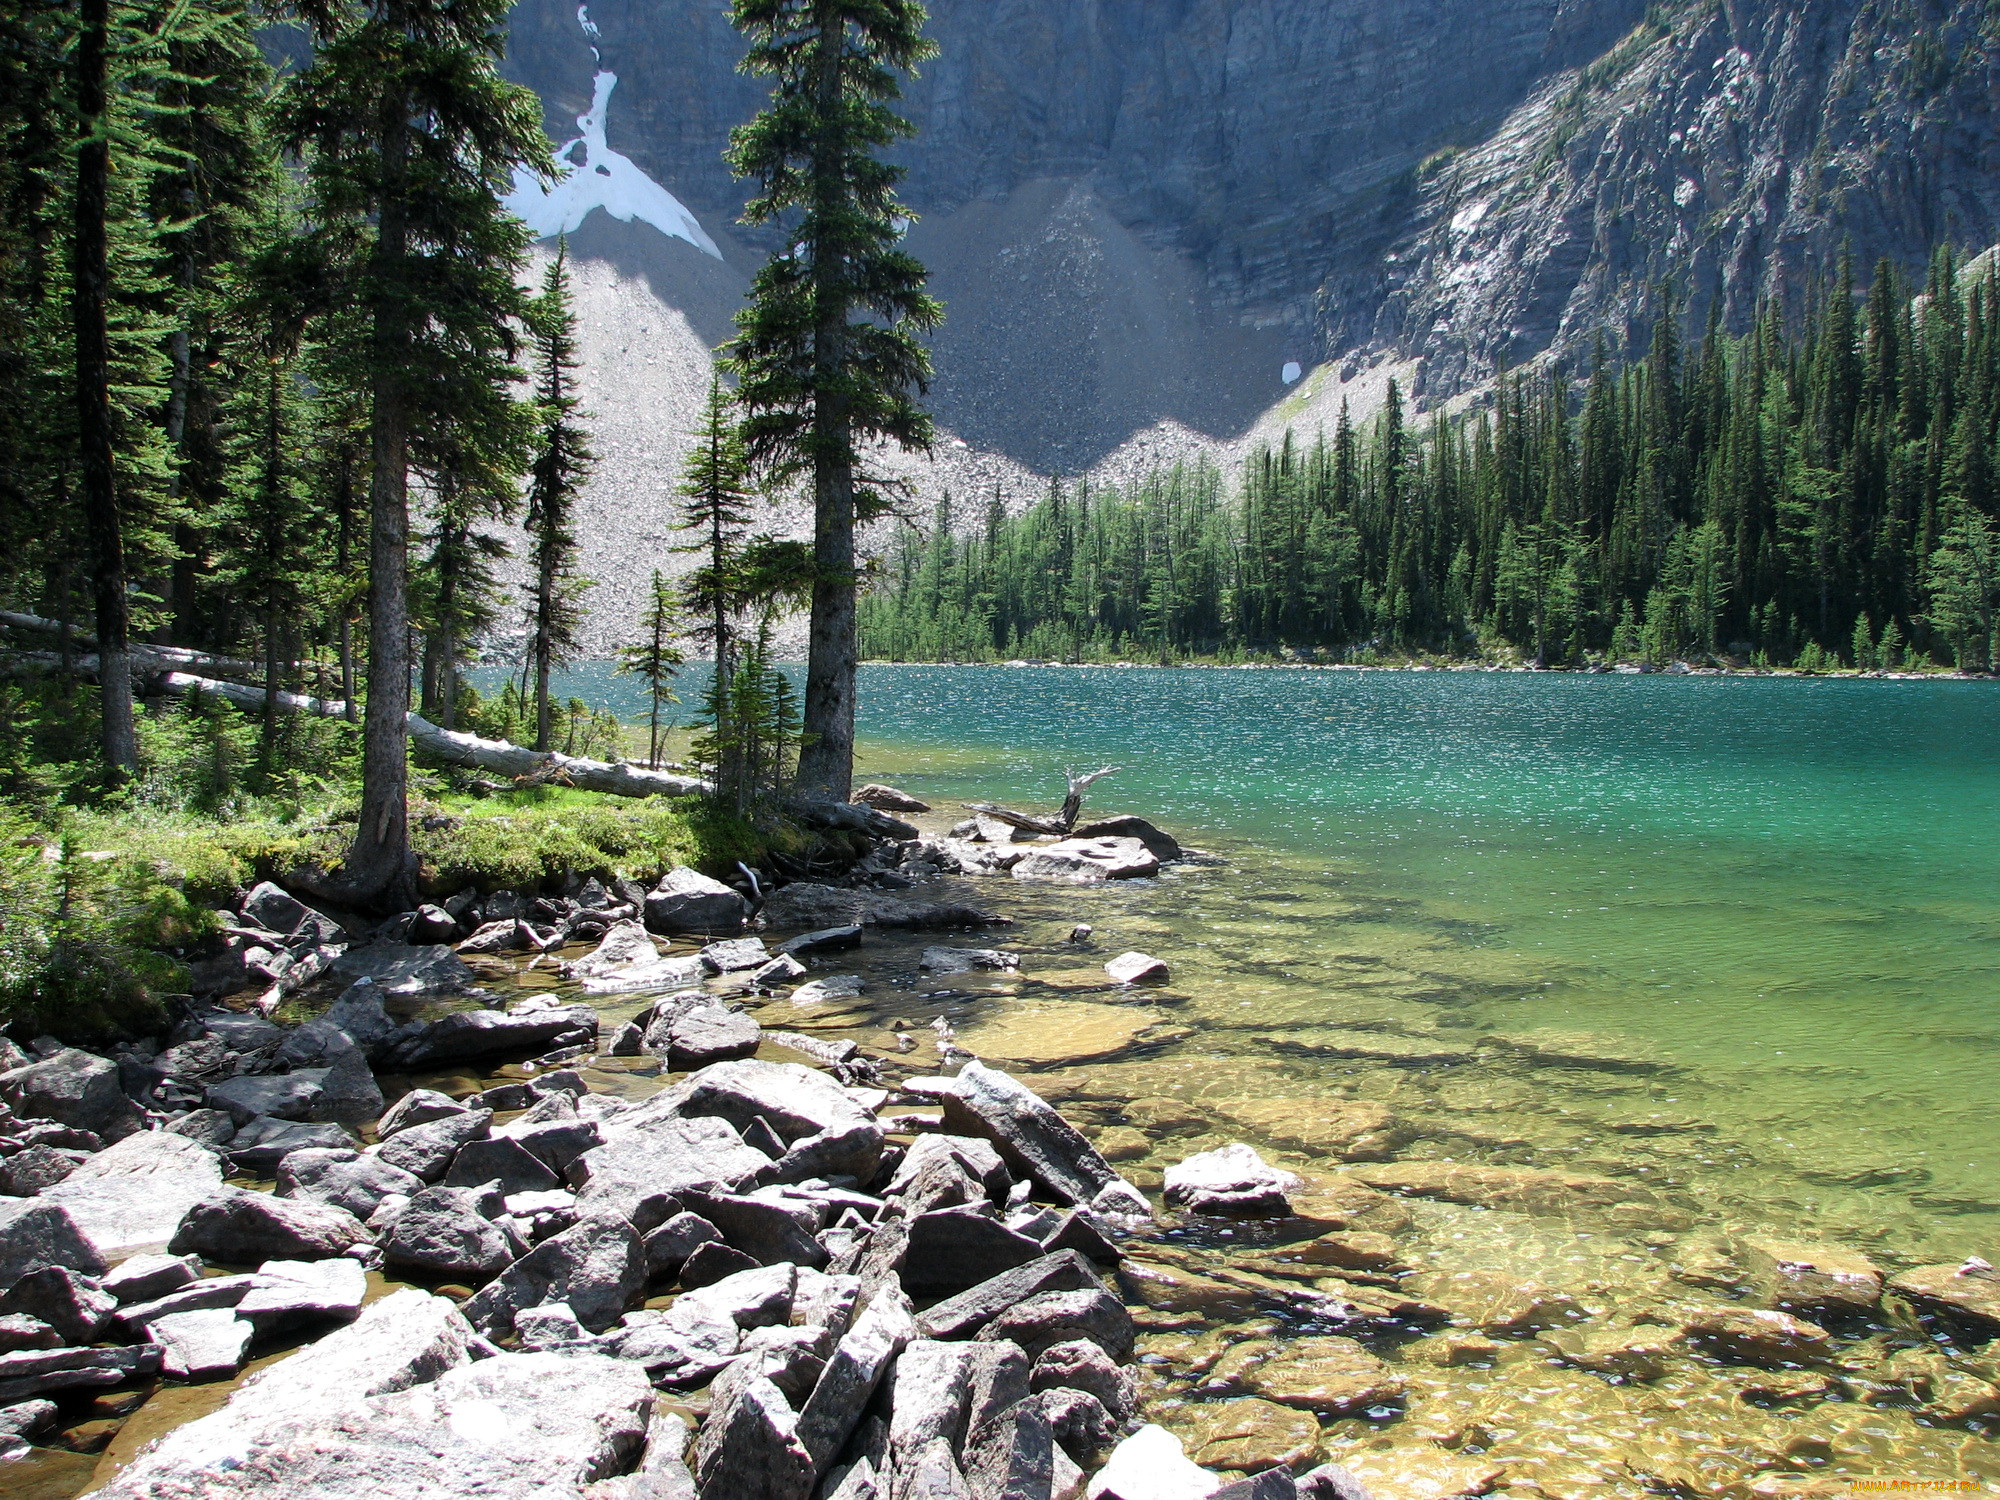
<point>654,658</point>
<point>827,353</point>
<point>562,462</point>
<point>411,136</point>
<point>715,506</point>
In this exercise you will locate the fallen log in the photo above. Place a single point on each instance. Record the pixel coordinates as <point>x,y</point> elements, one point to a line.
<point>1063,822</point>
<point>144,653</point>
<point>460,749</point>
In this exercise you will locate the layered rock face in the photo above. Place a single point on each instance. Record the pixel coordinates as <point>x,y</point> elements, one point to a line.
<point>1735,152</point>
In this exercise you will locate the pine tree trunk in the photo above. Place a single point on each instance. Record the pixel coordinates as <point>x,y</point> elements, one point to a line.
<point>545,593</point>
<point>378,864</point>
<point>93,395</point>
<point>826,763</point>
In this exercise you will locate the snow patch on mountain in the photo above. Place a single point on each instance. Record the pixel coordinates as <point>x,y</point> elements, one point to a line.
<point>594,176</point>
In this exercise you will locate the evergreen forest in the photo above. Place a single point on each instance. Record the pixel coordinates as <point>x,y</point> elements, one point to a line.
<point>1816,496</point>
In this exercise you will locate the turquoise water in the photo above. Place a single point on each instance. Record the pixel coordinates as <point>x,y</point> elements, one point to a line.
<point>1789,888</point>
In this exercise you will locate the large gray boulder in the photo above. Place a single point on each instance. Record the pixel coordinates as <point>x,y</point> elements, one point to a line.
<point>129,1198</point>
<point>1231,1181</point>
<point>280,1096</point>
<point>688,901</point>
<point>824,1131</point>
<point>534,1424</point>
<point>749,1446</point>
<point>34,1168</point>
<point>466,1035</point>
<point>770,1233</point>
<point>952,1249</point>
<point>418,1107</point>
<point>506,1163</point>
<point>76,1306</point>
<point>236,1226</point>
<point>426,1150</point>
<point>406,969</point>
<point>407,1339</point>
<point>265,1142</point>
<point>344,1178</point>
<point>1086,861</point>
<point>72,1088</point>
<point>597,1266</point>
<point>1162,846</point>
<point>38,1232</point>
<point>710,1034</point>
<point>1032,1138</point>
<point>441,1232</point>
<point>356,1019</point>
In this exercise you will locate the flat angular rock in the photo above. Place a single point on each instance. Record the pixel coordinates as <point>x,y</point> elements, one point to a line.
<point>710,1034</point>
<point>357,1014</point>
<point>804,1106</point>
<point>952,1249</point>
<point>441,1232</point>
<point>732,955</point>
<point>38,1372</point>
<point>1372,1046</point>
<point>406,969</point>
<point>530,1424</point>
<point>669,1246</point>
<point>73,1304</point>
<point>770,1233</point>
<point>784,969</point>
<point>507,1163</point>
<point>1151,1465</point>
<point>1050,1318</point>
<point>199,1346</point>
<point>1967,1294</point>
<point>557,1140</point>
<point>1807,1278</point>
<point>830,990</point>
<point>670,972</point>
<point>1163,846</point>
<point>205,1127</point>
<point>1232,1181</point>
<point>1033,1139</point>
<point>131,1197</point>
<point>418,1107</point>
<point>825,940</point>
<point>974,1159</point>
<point>597,1266</point>
<point>39,1232</point>
<point>343,1177</point>
<point>209,1291</point>
<point>937,960</point>
<point>965,1314</point>
<point>144,1277</point>
<point>407,1339</point>
<point>655,1156</point>
<point>236,1226</point>
<point>1138,968</point>
<point>1085,861</point>
<point>259,1146</point>
<point>348,1092</point>
<point>1012,1454</point>
<point>426,1151</point>
<point>688,901</point>
<point>72,1088</point>
<point>299,1293</point>
<point>278,1096</point>
<point>466,1035</point>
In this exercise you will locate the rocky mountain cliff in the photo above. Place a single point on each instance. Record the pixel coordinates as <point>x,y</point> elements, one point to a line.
<point>1150,218</point>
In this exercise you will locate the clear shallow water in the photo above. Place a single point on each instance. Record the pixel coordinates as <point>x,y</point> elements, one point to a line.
<point>1787,888</point>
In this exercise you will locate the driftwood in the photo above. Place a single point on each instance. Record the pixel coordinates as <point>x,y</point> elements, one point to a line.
<point>1063,822</point>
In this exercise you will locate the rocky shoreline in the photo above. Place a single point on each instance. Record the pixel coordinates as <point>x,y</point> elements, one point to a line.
<point>807,1267</point>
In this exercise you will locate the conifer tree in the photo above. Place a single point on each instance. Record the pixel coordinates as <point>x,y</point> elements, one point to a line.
<point>412,135</point>
<point>715,506</point>
<point>654,658</point>
<point>562,462</point>
<point>827,353</point>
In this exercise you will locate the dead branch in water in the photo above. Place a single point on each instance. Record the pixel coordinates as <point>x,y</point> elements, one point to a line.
<point>1063,822</point>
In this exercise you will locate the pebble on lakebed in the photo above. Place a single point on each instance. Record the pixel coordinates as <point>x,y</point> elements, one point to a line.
<point>748,1286</point>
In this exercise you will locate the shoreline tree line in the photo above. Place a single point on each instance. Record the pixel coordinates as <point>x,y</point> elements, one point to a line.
<point>1818,498</point>
<point>272,384</point>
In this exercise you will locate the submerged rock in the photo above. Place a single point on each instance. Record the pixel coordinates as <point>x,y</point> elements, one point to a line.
<point>1335,1377</point>
<point>1967,1294</point>
<point>1799,1277</point>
